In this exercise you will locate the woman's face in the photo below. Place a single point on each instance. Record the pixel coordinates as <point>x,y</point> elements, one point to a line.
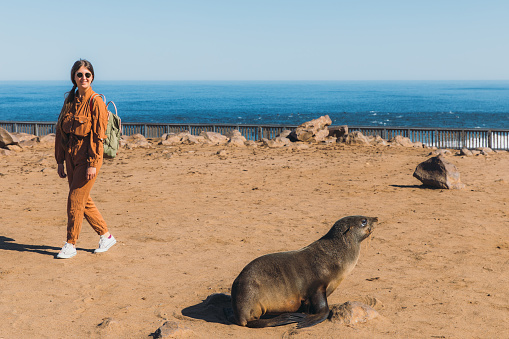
<point>83,78</point>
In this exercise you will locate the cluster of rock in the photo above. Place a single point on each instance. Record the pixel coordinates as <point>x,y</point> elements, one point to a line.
<point>314,131</point>
<point>15,142</point>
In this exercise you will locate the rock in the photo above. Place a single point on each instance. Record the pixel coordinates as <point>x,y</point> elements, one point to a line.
<point>4,152</point>
<point>214,138</point>
<point>356,138</point>
<point>312,131</point>
<point>467,152</point>
<point>320,135</point>
<point>377,140</point>
<point>485,150</point>
<point>136,140</point>
<point>439,173</point>
<point>443,152</point>
<point>277,142</point>
<point>14,148</point>
<point>233,133</point>
<point>251,143</point>
<point>330,140</point>
<point>237,140</point>
<point>192,139</point>
<point>172,329</point>
<point>7,138</point>
<point>24,137</point>
<point>352,312</point>
<point>107,323</point>
<point>29,143</point>
<point>170,139</point>
<point>48,139</point>
<point>339,132</point>
<point>400,140</point>
<point>285,133</point>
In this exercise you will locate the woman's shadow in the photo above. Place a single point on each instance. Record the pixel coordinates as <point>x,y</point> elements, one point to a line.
<point>215,309</point>
<point>9,244</point>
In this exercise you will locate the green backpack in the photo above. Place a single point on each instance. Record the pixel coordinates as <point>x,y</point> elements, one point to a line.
<point>113,130</point>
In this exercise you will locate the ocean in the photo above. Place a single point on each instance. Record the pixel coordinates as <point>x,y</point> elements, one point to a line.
<point>440,104</point>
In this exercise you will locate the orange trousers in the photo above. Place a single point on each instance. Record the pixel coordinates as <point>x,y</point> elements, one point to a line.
<point>79,202</point>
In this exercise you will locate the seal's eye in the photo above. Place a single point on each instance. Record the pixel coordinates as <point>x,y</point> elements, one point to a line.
<point>364,222</point>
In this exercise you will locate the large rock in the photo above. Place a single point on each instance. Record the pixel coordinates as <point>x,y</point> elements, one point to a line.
<point>400,140</point>
<point>285,133</point>
<point>356,138</point>
<point>192,139</point>
<point>214,138</point>
<point>466,152</point>
<point>237,140</point>
<point>377,140</point>
<point>135,141</point>
<point>233,133</point>
<point>312,131</point>
<point>338,132</point>
<point>48,139</point>
<point>24,137</point>
<point>7,138</point>
<point>439,173</point>
<point>276,142</point>
<point>485,150</point>
<point>170,139</point>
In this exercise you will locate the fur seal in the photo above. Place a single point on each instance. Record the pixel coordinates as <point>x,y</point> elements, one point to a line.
<point>294,285</point>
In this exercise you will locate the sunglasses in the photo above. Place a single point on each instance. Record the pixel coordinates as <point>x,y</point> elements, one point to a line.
<point>80,75</point>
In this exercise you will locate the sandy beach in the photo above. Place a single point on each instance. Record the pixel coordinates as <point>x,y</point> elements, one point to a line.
<point>188,219</point>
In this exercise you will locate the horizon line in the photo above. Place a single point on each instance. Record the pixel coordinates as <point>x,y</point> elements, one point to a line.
<point>254,80</point>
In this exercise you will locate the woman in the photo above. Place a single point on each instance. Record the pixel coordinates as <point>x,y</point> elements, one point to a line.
<point>79,138</point>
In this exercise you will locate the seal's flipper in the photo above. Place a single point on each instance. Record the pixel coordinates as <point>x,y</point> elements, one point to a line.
<point>313,319</point>
<point>280,320</point>
<point>318,307</point>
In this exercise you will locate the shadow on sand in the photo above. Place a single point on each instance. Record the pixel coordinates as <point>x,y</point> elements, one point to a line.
<point>9,244</point>
<point>211,309</point>
<point>422,187</point>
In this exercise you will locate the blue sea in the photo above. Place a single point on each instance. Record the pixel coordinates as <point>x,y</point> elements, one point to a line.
<point>441,104</point>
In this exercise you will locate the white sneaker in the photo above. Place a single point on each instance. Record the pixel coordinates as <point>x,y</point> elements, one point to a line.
<point>68,251</point>
<point>105,243</point>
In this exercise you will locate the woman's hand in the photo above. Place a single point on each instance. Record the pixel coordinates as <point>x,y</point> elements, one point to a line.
<point>91,173</point>
<point>61,171</point>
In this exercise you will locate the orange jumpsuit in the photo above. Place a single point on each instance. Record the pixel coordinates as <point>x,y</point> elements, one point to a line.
<point>85,124</point>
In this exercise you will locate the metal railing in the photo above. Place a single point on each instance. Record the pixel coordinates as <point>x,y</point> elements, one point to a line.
<point>453,138</point>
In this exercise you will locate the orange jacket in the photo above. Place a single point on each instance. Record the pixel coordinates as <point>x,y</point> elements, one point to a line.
<point>86,129</point>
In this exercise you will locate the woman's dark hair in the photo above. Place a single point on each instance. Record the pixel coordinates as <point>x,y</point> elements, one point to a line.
<point>69,96</point>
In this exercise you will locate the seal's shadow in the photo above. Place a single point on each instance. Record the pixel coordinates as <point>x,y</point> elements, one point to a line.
<point>212,309</point>
<point>423,187</point>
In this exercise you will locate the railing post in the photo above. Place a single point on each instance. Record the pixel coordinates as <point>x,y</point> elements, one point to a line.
<point>490,141</point>
<point>36,127</point>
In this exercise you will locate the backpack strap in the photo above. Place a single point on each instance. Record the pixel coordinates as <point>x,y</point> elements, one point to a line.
<point>95,95</point>
<point>92,99</point>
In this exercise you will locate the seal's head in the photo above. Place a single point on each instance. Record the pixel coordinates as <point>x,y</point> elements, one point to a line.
<point>356,227</point>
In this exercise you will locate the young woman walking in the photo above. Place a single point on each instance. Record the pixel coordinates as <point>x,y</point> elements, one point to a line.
<point>79,138</point>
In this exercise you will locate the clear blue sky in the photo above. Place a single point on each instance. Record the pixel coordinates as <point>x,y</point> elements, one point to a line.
<point>257,39</point>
